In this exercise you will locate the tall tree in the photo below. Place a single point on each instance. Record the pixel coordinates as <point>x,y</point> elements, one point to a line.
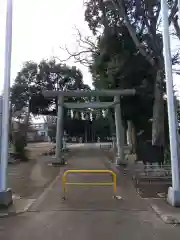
<point>118,64</point>
<point>142,20</point>
<point>26,92</point>
<point>21,93</point>
<point>56,76</point>
<point>24,86</point>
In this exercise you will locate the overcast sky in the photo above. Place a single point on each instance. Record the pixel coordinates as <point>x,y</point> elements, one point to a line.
<point>40,27</point>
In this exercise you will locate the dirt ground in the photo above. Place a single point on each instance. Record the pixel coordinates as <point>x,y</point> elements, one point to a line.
<point>36,149</point>
<point>28,179</point>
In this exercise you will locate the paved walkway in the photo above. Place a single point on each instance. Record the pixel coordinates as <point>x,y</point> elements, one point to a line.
<point>90,212</point>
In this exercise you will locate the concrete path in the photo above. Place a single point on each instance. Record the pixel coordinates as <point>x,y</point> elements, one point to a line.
<point>90,212</point>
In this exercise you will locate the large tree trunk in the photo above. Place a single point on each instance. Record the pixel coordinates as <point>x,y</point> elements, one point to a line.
<point>158,112</point>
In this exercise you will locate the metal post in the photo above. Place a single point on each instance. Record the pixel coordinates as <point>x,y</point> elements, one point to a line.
<point>174,191</point>
<point>6,195</point>
<point>179,10</point>
<point>1,110</point>
<point>59,133</point>
<point>119,133</point>
<point>129,133</point>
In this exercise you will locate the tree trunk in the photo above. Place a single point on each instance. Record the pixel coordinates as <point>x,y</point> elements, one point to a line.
<point>158,112</point>
<point>133,139</point>
<point>104,18</point>
<point>10,125</point>
<point>25,125</point>
<point>125,136</point>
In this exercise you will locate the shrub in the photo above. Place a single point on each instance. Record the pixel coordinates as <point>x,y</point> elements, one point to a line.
<point>20,150</point>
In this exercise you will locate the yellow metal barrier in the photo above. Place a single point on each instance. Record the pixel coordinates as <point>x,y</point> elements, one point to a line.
<point>65,183</point>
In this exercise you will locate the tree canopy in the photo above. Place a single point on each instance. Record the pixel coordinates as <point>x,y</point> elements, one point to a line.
<point>47,75</point>
<point>129,55</point>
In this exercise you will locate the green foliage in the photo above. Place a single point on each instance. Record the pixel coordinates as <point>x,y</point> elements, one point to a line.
<point>48,75</point>
<point>24,86</point>
<point>119,65</point>
<point>84,128</point>
<point>129,52</point>
<point>19,147</point>
<point>177,104</point>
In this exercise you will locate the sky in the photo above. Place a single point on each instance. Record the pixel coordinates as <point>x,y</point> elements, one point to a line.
<point>40,29</point>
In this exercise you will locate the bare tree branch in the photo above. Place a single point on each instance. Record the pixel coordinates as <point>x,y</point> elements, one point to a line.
<point>173,12</point>
<point>86,47</point>
<point>151,26</point>
<point>176,26</point>
<point>132,31</point>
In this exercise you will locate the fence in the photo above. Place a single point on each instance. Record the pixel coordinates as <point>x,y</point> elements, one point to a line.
<point>65,183</point>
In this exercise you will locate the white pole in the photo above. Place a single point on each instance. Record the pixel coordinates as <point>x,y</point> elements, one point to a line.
<point>170,98</point>
<point>179,11</point>
<point>5,115</point>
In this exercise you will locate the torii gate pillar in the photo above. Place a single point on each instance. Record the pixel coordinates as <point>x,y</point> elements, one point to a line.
<point>59,133</point>
<point>119,132</point>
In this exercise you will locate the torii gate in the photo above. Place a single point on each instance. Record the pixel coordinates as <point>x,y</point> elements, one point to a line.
<point>93,93</point>
<point>174,191</point>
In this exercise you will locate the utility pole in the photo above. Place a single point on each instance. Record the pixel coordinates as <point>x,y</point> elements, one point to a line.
<point>6,194</point>
<point>174,191</point>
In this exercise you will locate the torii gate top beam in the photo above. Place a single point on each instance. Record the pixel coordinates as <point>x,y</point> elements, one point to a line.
<point>94,105</point>
<point>92,93</point>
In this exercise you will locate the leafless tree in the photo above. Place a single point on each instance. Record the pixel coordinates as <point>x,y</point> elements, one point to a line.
<point>86,46</point>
